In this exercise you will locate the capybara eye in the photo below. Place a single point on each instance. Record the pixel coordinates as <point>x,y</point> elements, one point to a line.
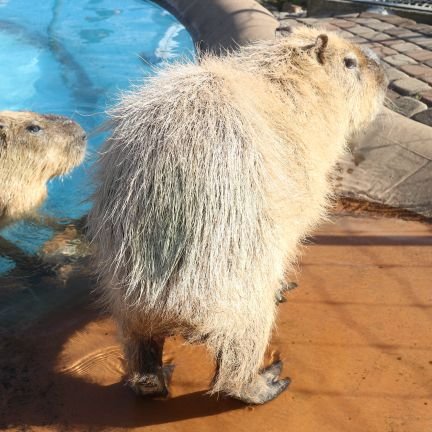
<point>34,128</point>
<point>350,62</point>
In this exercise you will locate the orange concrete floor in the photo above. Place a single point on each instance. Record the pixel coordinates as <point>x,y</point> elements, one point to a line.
<point>355,337</point>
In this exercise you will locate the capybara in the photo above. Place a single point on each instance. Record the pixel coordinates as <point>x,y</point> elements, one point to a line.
<point>33,149</point>
<point>213,175</point>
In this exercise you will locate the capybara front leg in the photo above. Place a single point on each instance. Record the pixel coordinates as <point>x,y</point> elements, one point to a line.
<point>146,373</point>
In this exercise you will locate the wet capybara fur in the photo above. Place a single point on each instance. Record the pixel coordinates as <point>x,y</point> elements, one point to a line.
<point>33,149</point>
<point>214,174</point>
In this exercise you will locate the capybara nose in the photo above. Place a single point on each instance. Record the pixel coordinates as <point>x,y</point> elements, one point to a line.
<point>84,136</point>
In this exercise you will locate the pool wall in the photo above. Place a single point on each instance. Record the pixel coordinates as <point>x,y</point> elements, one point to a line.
<point>222,24</point>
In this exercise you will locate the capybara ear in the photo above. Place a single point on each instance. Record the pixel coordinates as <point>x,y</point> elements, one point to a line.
<point>320,47</point>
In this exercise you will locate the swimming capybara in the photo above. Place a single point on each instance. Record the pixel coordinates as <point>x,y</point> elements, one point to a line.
<point>33,149</point>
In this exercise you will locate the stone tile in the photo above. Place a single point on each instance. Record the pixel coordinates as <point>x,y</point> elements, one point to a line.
<point>428,63</point>
<point>426,97</point>
<point>394,74</point>
<point>397,20</point>
<point>427,79</point>
<point>379,37</point>
<point>343,23</point>
<point>399,60</point>
<point>409,86</point>
<point>288,23</point>
<point>362,31</point>
<point>408,106</point>
<point>366,21</point>
<point>310,21</point>
<point>420,55</point>
<point>405,46</point>
<point>345,34</point>
<point>424,117</point>
<point>416,70</point>
<point>390,42</point>
<point>424,42</point>
<point>330,27</point>
<point>422,28</point>
<point>358,40</point>
<point>348,16</point>
<point>380,26</point>
<point>402,33</point>
<point>383,51</point>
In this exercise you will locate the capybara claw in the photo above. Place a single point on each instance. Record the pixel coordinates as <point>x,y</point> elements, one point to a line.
<point>266,387</point>
<point>284,287</point>
<point>273,371</point>
<point>148,385</point>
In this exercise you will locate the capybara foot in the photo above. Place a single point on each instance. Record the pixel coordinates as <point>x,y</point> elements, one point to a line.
<point>152,384</point>
<point>266,386</point>
<point>285,286</point>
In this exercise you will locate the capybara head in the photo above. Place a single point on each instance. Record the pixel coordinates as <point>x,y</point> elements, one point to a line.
<point>33,149</point>
<point>357,72</point>
<point>352,74</point>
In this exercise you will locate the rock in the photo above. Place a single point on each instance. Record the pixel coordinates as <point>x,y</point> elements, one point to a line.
<point>424,117</point>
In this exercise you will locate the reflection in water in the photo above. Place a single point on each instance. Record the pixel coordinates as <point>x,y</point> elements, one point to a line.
<point>70,58</point>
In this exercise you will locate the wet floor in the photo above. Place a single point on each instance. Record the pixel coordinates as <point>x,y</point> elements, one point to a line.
<point>355,337</point>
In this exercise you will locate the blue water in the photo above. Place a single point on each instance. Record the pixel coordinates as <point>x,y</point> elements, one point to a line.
<point>72,57</point>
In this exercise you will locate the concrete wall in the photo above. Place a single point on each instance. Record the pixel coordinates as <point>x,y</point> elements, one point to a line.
<point>223,24</point>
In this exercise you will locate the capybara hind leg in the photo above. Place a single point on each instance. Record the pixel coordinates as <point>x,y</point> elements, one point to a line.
<point>284,287</point>
<point>238,361</point>
<point>266,386</point>
<point>146,373</point>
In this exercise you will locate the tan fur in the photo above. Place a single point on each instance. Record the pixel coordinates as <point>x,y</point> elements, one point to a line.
<point>29,159</point>
<point>214,174</point>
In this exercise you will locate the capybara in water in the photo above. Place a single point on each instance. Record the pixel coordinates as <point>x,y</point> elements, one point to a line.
<point>33,149</point>
<point>214,174</point>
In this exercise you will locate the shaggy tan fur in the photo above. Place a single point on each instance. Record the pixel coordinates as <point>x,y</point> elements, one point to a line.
<point>214,174</point>
<point>33,149</point>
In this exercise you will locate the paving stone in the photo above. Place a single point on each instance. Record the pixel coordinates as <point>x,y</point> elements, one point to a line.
<point>409,86</point>
<point>358,40</point>
<point>383,51</point>
<point>402,33</point>
<point>349,16</point>
<point>381,26</point>
<point>428,63</point>
<point>424,117</point>
<point>408,106</point>
<point>366,21</point>
<point>416,70</point>
<point>310,21</point>
<point>397,20</point>
<point>399,60</point>
<point>390,42</point>
<point>422,28</point>
<point>424,42</point>
<point>426,97</point>
<point>345,34</point>
<point>426,79</point>
<point>362,31</point>
<point>394,74</point>
<point>287,23</point>
<point>405,47</point>
<point>379,37</point>
<point>343,23</point>
<point>420,55</point>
